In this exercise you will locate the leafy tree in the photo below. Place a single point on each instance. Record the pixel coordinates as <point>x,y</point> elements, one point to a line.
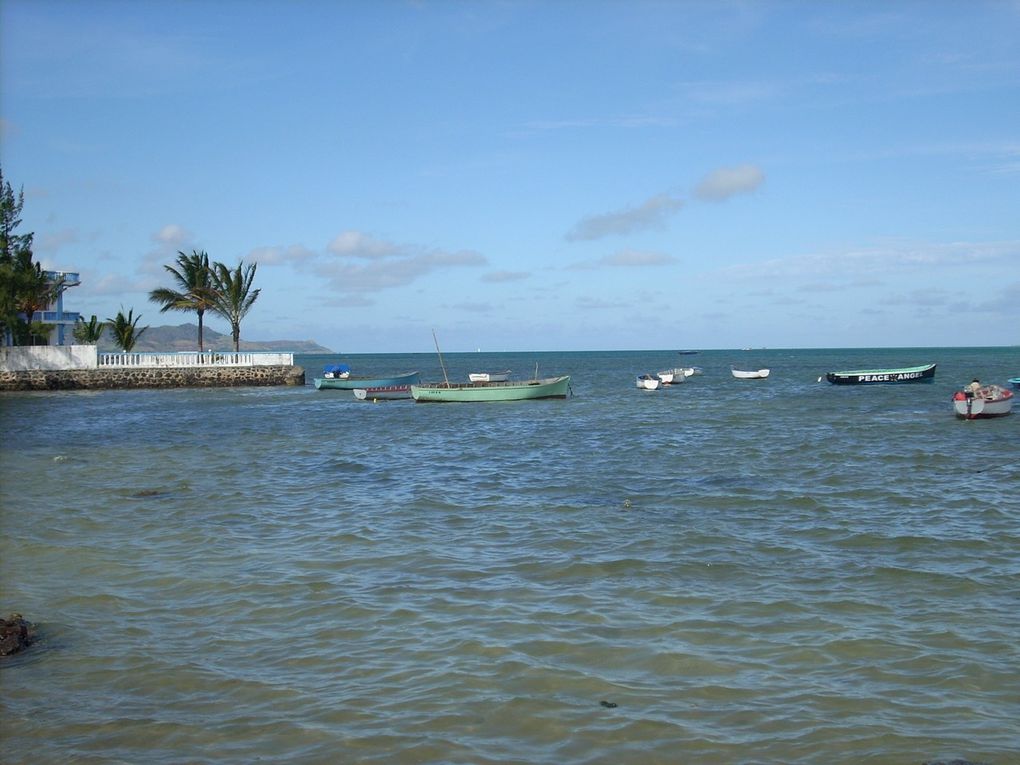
<point>33,292</point>
<point>18,274</point>
<point>195,291</point>
<point>89,332</point>
<point>234,296</point>
<point>10,218</point>
<point>125,329</point>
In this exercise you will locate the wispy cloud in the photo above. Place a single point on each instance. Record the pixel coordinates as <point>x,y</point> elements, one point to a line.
<point>497,277</point>
<point>356,263</point>
<point>355,244</point>
<point>726,182</point>
<point>650,214</point>
<point>876,261</point>
<point>345,276</point>
<point>627,259</point>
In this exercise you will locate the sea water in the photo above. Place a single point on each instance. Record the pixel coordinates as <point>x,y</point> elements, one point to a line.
<point>725,571</point>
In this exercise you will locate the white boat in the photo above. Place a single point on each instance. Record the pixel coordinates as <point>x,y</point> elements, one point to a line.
<point>987,401</point>
<point>691,371</point>
<point>489,377</point>
<point>648,382</point>
<point>672,376</point>
<point>754,374</point>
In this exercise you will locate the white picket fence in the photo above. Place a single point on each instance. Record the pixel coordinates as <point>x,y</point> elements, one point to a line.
<point>196,359</point>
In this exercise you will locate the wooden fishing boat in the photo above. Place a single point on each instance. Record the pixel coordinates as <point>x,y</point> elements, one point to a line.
<point>487,377</point>
<point>755,374</point>
<point>672,376</point>
<point>648,382</point>
<point>549,387</point>
<point>385,393</point>
<point>924,373</point>
<point>350,382</point>
<point>987,401</point>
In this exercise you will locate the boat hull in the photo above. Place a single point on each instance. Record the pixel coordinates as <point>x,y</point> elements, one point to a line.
<point>757,374</point>
<point>647,382</point>
<point>387,393</point>
<point>921,374</point>
<point>551,387</point>
<point>990,401</point>
<point>672,376</point>
<point>350,383</point>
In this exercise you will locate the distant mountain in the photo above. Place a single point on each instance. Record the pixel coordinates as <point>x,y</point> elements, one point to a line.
<point>184,337</point>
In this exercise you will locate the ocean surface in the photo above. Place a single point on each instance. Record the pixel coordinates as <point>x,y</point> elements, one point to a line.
<point>777,571</point>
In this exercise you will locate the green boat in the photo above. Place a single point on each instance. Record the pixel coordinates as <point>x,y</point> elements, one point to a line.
<point>924,374</point>
<point>350,383</point>
<point>549,387</point>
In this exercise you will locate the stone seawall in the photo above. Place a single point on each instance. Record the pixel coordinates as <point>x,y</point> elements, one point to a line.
<point>151,377</point>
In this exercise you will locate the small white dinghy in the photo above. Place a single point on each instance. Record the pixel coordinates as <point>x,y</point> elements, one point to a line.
<point>489,377</point>
<point>754,374</point>
<point>648,382</point>
<point>672,376</point>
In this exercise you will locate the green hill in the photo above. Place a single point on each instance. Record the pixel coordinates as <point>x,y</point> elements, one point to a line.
<point>184,337</point>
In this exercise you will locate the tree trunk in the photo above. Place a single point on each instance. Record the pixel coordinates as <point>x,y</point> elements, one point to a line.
<point>200,343</point>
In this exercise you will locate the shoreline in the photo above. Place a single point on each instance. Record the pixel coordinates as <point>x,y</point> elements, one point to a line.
<point>151,377</point>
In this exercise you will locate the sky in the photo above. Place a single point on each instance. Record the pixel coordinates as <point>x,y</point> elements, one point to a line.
<point>531,176</point>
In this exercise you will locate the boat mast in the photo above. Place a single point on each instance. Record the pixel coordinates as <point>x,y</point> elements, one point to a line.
<point>441,364</point>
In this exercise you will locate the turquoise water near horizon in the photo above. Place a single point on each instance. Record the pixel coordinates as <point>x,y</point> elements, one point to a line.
<point>776,571</point>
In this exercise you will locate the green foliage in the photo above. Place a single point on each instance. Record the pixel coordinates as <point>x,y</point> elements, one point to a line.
<point>234,296</point>
<point>125,330</point>
<point>89,332</point>
<point>24,288</point>
<point>195,290</point>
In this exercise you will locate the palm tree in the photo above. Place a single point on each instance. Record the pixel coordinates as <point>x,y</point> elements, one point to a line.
<point>124,328</point>
<point>88,332</point>
<point>233,295</point>
<point>196,292</point>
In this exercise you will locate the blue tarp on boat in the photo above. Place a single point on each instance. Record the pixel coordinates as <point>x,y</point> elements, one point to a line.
<point>336,369</point>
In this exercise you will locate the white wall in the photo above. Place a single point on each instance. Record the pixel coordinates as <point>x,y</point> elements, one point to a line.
<point>21,358</point>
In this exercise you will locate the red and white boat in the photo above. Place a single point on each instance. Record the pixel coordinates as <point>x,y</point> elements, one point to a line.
<point>988,401</point>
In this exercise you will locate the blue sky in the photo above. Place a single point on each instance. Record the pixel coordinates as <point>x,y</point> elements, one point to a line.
<point>532,175</point>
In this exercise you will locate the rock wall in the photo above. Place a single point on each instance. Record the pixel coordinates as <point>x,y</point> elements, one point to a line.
<point>151,377</point>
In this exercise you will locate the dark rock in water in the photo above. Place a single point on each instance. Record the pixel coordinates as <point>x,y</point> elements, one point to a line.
<point>15,634</point>
<point>609,704</point>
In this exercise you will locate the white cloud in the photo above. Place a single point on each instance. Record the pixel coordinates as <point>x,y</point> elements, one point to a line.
<point>627,259</point>
<point>652,213</point>
<point>728,181</point>
<point>355,244</point>
<point>172,235</point>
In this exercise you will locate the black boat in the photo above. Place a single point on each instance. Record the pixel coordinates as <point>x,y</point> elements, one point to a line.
<point>924,373</point>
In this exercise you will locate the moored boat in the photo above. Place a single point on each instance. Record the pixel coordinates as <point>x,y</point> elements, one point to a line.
<point>487,377</point>
<point>923,373</point>
<point>986,401</point>
<point>1015,382</point>
<point>385,393</point>
<point>648,382</point>
<point>350,382</point>
<point>752,374</point>
<point>549,387</point>
<point>672,376</point>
